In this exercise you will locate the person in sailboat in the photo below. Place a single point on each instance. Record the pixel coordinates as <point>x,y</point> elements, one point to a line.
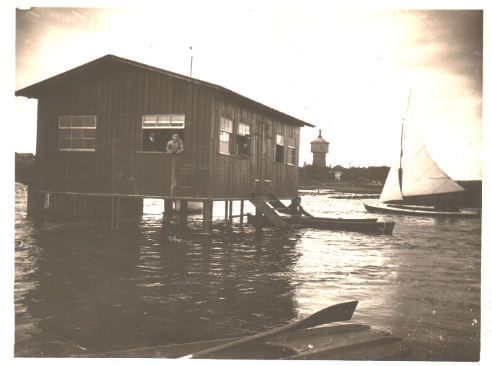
<point>295,207</point>
<point>447,203</point>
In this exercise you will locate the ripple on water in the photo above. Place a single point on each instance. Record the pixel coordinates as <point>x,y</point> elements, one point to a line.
<point>151,285</point>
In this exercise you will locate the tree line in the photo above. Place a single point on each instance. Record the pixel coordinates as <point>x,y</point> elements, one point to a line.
<point>374,174</point>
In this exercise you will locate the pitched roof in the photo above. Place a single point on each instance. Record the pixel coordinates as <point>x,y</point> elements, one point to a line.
<point>34,90</point>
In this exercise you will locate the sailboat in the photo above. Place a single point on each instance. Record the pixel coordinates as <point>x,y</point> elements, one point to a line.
<point>415,174</point>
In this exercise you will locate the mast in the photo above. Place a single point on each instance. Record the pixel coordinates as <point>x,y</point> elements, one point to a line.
<point>402,138</point>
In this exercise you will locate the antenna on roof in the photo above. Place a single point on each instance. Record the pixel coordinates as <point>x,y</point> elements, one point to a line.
<point>191,64</point>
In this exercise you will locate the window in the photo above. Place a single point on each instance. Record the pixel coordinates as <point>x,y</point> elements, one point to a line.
<point>159,129</point>
<point>243,140</point>
<point>243,129</point>
<point>225,135</point>
<point>77,133</point>
<point>291,151</point>
<point>279,149</point>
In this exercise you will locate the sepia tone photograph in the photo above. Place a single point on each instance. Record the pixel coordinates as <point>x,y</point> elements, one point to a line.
<point>247,181</point>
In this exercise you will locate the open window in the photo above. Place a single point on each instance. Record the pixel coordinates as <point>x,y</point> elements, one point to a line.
<point>77,133</point>
<point>158,130</point>
<point>279,149</point>
<point>243,141</point>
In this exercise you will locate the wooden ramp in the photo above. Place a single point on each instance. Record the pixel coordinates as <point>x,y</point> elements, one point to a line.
<point>269,212</point>
<point>275,202</point>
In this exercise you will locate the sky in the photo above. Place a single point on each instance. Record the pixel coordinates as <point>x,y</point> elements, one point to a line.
<point>347,71</point>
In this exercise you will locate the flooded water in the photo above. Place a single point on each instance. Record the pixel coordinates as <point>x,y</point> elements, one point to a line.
<point>80,288</point>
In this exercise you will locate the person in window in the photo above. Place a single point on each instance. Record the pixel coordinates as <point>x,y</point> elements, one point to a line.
<point>295,208</point>
<point>175,145</point>
<point>245,147</point>
<point>151,142</point>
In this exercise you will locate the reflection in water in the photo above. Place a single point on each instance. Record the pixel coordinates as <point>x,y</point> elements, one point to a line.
<point>142,287</point>
<point>81,287</point>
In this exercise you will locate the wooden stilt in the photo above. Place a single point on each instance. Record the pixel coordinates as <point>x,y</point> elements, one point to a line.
<point>52,209</point>
<point>183,214</point>
<point>174,175</point>
<point>226,209</point>
<point>38,208</point>
<point>241,219</point>
<point>207,216</point>
<point>168,209</point>
<point>230,211</point>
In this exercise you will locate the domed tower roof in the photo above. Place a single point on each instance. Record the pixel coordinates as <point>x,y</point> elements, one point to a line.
<point>319,144</point>
<point>319,139</point>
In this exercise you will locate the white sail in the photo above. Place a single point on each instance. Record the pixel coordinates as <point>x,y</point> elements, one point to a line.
<point>392,190</point>
<point>421,174</point>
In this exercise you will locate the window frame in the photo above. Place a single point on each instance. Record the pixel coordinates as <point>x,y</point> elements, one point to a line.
<point>178,126</point>
<point>80,129</point>
<point>291,151</point>
<point>243,132</point>
<point>179,120</point>
<point>280,149</point>
<point>225,135</point>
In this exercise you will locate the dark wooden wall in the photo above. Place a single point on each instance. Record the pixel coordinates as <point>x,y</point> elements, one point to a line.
<point>69,171</point>
<point>119,94</point>
<point>240,178</point>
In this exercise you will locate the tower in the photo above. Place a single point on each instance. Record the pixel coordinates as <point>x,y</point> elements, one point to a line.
<point>319,148</point>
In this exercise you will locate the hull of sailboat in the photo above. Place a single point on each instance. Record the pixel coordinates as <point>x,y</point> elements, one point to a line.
<point>416,211</point>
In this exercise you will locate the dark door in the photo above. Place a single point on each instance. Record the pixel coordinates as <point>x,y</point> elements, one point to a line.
<point>264,159</point>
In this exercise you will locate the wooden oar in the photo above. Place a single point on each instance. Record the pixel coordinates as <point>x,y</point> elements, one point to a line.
<point>331,314</point>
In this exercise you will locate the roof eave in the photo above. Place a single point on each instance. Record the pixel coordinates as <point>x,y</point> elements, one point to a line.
<point>32,91</point>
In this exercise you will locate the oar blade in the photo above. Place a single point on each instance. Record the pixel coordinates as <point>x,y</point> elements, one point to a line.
<point>332,314</point>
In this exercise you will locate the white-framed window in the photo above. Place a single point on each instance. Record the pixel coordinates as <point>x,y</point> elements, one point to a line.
<point>225,135</point>
<point>243,129</point>
<point>77,133</point>
<point>163,121</point>
<point>158,129</point>
<point>291,151</point>
<point>279,149</point>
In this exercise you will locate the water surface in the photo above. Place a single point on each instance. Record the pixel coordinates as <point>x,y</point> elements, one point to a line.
<point>80,288</point>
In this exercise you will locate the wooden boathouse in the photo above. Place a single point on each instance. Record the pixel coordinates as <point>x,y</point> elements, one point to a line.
<point>102,131</point>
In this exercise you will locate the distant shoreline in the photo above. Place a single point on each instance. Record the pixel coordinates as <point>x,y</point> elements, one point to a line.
<point>343,189</point>
<point>472,196</point>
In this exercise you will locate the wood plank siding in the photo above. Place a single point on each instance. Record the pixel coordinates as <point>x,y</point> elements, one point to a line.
<point>119,93</point>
